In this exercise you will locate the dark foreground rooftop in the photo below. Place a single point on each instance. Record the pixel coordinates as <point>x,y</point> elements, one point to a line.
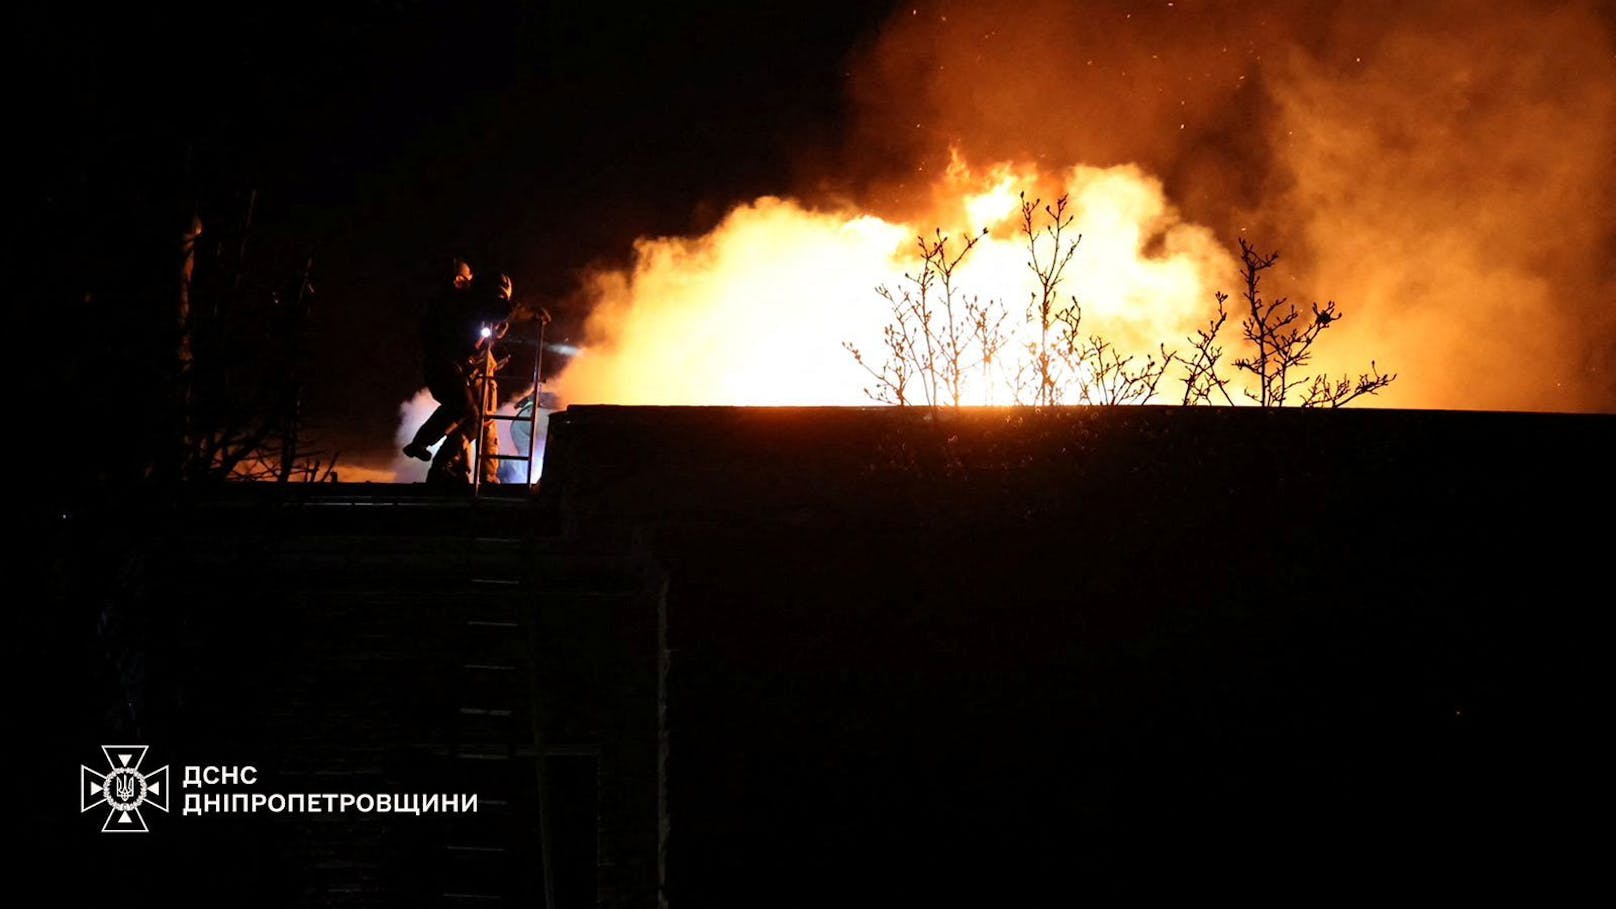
<point>849,656</point>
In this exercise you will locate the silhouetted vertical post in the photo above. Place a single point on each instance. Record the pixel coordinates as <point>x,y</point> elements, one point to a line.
<point>294,390</point>
<point>181,449</point>
<point>538,377</point>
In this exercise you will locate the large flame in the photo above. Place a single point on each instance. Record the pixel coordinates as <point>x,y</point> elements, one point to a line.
<point>1443,171</point>
<point>757,310</point>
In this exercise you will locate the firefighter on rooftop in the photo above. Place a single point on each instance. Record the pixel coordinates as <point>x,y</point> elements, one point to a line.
<point>462,321</point>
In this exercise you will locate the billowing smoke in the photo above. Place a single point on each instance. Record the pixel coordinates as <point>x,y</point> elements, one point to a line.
<point>1455,190</point>
<point>413,412</point>
<point>1443,170</point>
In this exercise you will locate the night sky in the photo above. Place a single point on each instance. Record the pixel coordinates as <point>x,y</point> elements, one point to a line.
<point>381,136</point>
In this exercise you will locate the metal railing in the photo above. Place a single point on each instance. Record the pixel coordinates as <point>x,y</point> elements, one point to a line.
<point>486,373</point>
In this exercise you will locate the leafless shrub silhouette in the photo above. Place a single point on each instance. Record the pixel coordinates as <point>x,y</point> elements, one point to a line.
<point>939,335</point>
<point>1043,372</point>
<point>1283,337</point>
<point>239,347</point>
<point>1201,377</point>
<point>1325,392</point>
<point>1098,372</point>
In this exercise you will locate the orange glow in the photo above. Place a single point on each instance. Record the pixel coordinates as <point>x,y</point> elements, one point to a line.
<point>755,312</point>
<point>1442,171</point>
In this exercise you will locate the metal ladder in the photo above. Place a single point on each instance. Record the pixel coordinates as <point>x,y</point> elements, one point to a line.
<point>485,373</point>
